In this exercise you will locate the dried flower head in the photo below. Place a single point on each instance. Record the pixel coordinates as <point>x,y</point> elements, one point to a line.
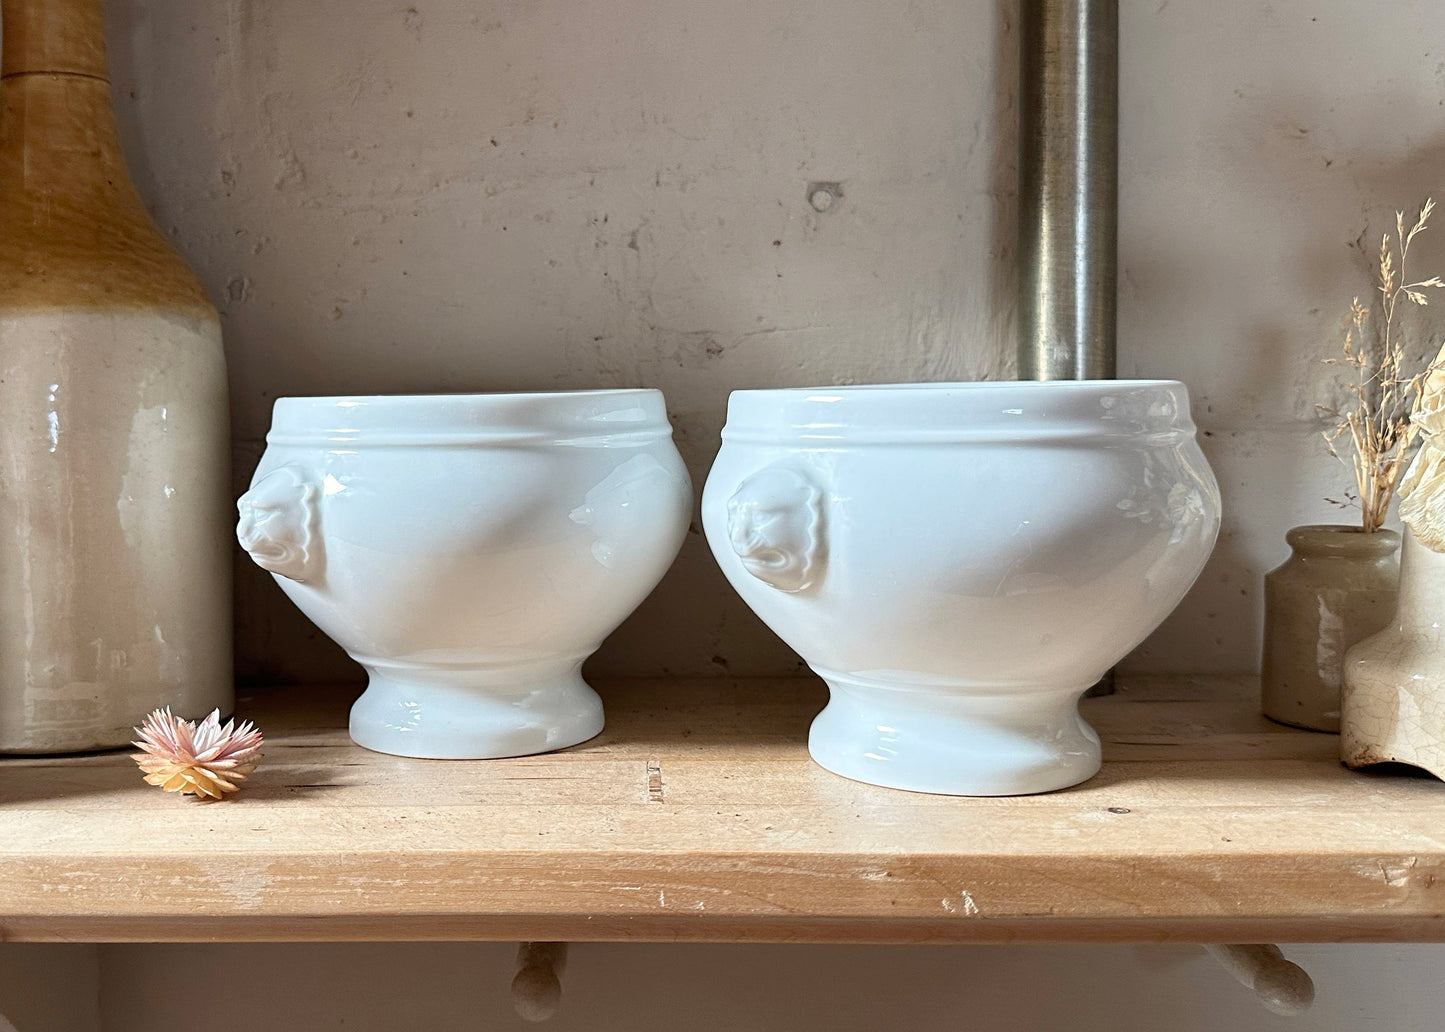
<point>1379,428</point>
<point>206,760</point>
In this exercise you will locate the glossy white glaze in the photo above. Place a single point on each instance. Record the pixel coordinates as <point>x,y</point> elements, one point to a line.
<point>961,561</point>
<point>470,551</point>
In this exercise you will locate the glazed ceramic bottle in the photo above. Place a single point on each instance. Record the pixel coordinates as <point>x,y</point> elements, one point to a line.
<point>114,484</point>
<point>1337,587</point>
<point>1394,681</point>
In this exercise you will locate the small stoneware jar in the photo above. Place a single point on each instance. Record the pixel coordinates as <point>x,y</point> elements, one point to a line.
<point>469,551</point>
<point>1337,587</point>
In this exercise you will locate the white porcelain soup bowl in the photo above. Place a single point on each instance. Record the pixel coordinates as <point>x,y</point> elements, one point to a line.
<point>470,551</point>
<point>960,562</point>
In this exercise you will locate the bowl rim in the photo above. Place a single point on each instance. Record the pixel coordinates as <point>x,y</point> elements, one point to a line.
<point>977,411</point>
<point>960,385</point>
<point>618,416</point>
<point>457,396</point>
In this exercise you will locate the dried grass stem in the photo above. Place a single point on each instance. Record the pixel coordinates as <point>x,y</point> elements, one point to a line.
<point>1379,427</point>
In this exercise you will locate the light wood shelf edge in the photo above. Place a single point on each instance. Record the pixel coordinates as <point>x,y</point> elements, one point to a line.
<point>1208,824</point>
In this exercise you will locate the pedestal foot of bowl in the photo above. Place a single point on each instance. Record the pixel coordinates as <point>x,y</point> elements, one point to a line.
<point>954,739</point>
<point>474,714</point>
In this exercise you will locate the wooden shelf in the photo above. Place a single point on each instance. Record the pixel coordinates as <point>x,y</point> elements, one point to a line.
<point>698,816</point>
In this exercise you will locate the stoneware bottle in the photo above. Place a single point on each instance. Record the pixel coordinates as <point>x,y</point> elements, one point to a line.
<point>1337,587</point>
<point>114,524</point>
<point>1394,694</point>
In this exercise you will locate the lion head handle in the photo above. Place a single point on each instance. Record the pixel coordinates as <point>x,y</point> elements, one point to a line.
<point>278,523</point>
<point>775,525</point>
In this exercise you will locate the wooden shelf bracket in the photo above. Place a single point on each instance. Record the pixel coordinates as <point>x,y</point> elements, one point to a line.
<point>537,985</point>
<point>1281,985</point>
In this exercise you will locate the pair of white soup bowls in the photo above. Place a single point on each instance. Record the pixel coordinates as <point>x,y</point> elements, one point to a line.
<point>959,562</point>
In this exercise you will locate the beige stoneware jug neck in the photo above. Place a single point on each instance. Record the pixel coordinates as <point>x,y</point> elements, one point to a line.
<point>77,236</point>
<point>52,37</point>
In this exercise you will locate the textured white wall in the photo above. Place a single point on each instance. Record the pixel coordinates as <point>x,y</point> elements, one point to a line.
<point>1264,150</point>
<point>449,195</point>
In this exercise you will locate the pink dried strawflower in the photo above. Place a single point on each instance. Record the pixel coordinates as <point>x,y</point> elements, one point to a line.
<point>207,761</point>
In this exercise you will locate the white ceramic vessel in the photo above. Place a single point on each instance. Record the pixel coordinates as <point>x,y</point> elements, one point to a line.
<point>960,562</point>
<point>470,551</point>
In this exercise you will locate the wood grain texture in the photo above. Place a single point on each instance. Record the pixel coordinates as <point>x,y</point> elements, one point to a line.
<point>52,36</point>
<point>74,234</point>
<point>698,816</point>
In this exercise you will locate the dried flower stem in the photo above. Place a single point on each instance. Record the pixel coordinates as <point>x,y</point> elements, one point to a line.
<point>1379,426</point>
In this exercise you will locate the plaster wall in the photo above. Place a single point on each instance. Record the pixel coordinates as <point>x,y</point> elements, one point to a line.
<point>50,987</point>
<point>393,197</point>
<point>445,195</point>
<point>452,987</point>
<point>442,195</point>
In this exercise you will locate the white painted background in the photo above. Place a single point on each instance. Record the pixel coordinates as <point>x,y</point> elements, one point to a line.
<point>480,194</point>
<point>489,195</point>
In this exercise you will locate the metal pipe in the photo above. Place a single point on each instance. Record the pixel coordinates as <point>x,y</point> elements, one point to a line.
<point>1068,188</point>
<point>1068,193</point>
